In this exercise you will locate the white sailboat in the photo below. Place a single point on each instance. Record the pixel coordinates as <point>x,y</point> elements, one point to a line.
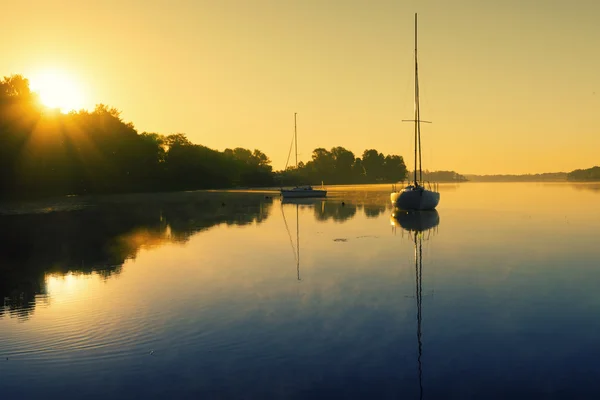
<point>415,196</point>
<point>305,190</point>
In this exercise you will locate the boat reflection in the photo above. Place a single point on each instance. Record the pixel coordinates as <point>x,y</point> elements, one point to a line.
<point>419,225</point>
<point>415,221</point>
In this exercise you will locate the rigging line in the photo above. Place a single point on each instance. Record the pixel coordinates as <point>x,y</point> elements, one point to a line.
<point>289,152</point>
<point>289,234</point>
<point>296,139</point>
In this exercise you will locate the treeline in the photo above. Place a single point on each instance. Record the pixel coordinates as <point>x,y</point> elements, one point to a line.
<point>45,153</point>
<point>49,153</point>
<point>341,166</point>
<point>441,176</point>
<point>590,174</point>
<point>544,177</point>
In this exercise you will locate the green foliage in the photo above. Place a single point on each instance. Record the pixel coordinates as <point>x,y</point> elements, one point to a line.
<point>49,153</point>
<point>15,86</point>
<point>443,176</point>
<point>590,174</point>
<point>44,152</point>
<point>544,177</point>
<point>249,168</point>
<point>340,166</point>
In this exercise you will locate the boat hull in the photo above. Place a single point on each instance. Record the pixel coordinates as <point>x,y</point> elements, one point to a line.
<point>303,194</point>
<point>415,199</point>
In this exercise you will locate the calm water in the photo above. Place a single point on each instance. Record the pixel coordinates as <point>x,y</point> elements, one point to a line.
<point>207,295</point>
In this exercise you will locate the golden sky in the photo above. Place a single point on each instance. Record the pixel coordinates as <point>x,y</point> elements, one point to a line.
<point>512,86</point>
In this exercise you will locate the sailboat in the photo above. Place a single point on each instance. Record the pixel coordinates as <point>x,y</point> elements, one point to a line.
<point>305,190</point>
<point>415,196</point>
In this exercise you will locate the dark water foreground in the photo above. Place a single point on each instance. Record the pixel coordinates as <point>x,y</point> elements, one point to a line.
<point>208,295</point>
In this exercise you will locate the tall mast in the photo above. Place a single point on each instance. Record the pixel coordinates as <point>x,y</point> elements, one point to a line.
<point>417,119</point>
<point>416,101</point>
<point>296,140</point>
<point>417,112</point>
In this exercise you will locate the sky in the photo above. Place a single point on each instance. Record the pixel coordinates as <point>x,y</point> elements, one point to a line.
<point>511,86</point>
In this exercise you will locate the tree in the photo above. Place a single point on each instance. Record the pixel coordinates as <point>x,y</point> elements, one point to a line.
<point>322,163</point>
<point>590,174</point>
<point>373,162</point>
<point>261,158</point>
<point>394,168</point>
<point>177,139</point>
<point>359,171</point>
<point>343,161</point>
<point>15,86</point>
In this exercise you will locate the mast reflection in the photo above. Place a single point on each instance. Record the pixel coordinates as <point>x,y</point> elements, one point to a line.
<point>296,248</point>
<point>419,225</point>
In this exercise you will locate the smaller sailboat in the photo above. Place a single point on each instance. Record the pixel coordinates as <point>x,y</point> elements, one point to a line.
<point>415,196</point>
<point>303,191</point>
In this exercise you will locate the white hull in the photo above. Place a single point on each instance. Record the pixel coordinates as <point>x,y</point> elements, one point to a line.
<point>415,199</point>
<point>302,193</point>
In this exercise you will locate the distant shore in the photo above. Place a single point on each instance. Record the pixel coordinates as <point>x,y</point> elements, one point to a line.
<point>578,175</point>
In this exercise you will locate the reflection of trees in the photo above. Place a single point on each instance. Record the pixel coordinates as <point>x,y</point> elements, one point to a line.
<point>335,211</point>
<point>373,210</point>
<point>587,186</point>
<point>372,202</point>
<point>345,205</point>
<point>19,294</point>
<point>101,237</point>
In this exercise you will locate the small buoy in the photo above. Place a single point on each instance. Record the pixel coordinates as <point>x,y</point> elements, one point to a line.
<point>222,204</point>
<point>343,204</point>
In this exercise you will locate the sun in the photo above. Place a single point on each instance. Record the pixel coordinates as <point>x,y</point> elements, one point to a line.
<point>57,90</point>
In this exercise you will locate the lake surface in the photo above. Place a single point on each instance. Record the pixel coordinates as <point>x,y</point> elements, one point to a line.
<point>208,295</point>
